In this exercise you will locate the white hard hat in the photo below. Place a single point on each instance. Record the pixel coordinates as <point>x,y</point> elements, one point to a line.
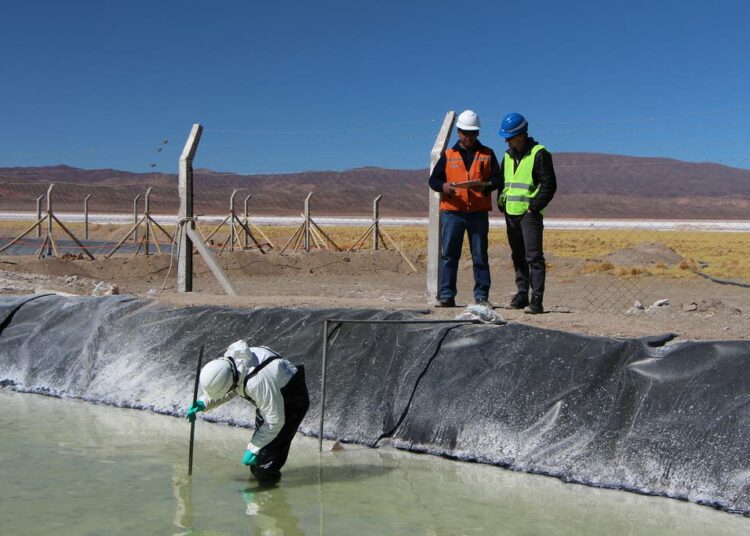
<point>468,120</point>
<point>216,378</point>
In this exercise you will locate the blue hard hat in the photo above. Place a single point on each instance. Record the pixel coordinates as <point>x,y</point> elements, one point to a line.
<point>513,124</point>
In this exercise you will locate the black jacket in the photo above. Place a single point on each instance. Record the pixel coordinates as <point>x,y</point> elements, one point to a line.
<point>543,174</point>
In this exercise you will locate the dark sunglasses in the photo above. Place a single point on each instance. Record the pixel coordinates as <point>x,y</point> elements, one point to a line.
<point>469,133</point>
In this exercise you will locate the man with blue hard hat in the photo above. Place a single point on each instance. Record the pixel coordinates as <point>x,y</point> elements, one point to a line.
<point>529,185</point>
<point>465,176</point>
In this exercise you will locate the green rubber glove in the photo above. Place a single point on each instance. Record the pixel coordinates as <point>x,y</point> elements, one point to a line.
<point>249,458</point>
<point>195,407</point>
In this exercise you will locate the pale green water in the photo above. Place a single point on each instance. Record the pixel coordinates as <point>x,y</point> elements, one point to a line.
<point>73,468</point>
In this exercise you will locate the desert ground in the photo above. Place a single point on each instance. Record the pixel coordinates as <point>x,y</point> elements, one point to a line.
<point>613,295</point>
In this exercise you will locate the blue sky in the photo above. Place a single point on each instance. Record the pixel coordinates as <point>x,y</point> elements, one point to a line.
<point>290,86</point>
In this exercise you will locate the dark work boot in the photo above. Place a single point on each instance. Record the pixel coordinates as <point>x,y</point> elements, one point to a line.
<point>535,307</point>
<point>520,300</point>
<point>446,302</point>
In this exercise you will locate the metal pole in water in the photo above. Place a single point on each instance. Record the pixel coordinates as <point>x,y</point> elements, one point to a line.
<point>323,384</point>
<point>192,424</point>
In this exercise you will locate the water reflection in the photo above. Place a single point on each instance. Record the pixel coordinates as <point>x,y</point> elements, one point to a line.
<point>182,488</point>
<point>271,511</point>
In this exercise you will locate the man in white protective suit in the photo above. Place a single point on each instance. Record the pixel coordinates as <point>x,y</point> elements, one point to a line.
<point>274,386</point>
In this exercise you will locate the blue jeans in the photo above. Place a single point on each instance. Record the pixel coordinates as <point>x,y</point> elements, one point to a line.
<point>454,224</point>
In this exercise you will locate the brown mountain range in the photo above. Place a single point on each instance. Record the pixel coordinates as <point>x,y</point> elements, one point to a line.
<point>589,186</point>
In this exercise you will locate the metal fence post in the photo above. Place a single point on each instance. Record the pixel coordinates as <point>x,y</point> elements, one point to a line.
<point>49,219</point>
<point>376,222</point>
<point>147,235</point>
<point>39,215</point>
<point>434,235</point>
<point>247,222</point>
<point>231,221</point>
<point>185,213</point>
<point>86,217</point>
<point>135,217</point>
<point>307,221</point>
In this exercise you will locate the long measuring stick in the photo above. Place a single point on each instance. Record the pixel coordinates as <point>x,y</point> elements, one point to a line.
<point>192,424</point>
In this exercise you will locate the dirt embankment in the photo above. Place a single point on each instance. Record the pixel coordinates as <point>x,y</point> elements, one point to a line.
<point>595,304</point>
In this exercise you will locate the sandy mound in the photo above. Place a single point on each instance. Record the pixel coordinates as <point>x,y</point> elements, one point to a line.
<point>644,253</point>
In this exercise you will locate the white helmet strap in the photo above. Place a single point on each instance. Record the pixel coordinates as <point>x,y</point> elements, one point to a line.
<point>235,373</point>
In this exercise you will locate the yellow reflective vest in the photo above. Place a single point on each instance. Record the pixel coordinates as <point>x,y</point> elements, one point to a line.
<point>519,188</point>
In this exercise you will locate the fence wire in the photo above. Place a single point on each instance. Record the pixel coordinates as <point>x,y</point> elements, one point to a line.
<point>613,265</point>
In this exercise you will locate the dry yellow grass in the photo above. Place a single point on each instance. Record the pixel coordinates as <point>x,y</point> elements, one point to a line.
<point>724,255</point>
<point>720,254</point>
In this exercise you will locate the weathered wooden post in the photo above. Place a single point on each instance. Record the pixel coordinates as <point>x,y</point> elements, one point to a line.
<point>185,187</point>
<point>247,222</point>
<point>147,235</point>
<point>135,217</point>
<point>39,215</point>
<point>49,219</point>
<point>376,222</point>
<point>86,217</point>
<point>434,235</point>
<point>307,221</point>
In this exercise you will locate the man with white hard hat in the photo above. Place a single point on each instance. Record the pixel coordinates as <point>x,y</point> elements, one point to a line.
<point>274,386</point>
<point>465,176</point>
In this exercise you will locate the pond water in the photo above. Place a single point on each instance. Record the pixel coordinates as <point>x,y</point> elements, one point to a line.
<point>73,468</point>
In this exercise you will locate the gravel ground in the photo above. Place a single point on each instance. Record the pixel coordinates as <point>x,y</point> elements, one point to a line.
<point>693,308</point>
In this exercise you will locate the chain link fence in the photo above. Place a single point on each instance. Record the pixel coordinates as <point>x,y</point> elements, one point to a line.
<point>611,265</point>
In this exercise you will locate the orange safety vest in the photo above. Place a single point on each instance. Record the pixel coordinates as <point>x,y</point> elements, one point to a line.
<point>466,200</point>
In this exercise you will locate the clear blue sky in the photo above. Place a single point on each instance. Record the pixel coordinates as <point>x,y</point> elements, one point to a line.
<point>288,86</point>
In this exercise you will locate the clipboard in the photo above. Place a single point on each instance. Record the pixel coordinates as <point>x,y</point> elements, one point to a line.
<point>470,184</point>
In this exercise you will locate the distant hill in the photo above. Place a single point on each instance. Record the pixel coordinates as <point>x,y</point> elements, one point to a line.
<point>589,186</point>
